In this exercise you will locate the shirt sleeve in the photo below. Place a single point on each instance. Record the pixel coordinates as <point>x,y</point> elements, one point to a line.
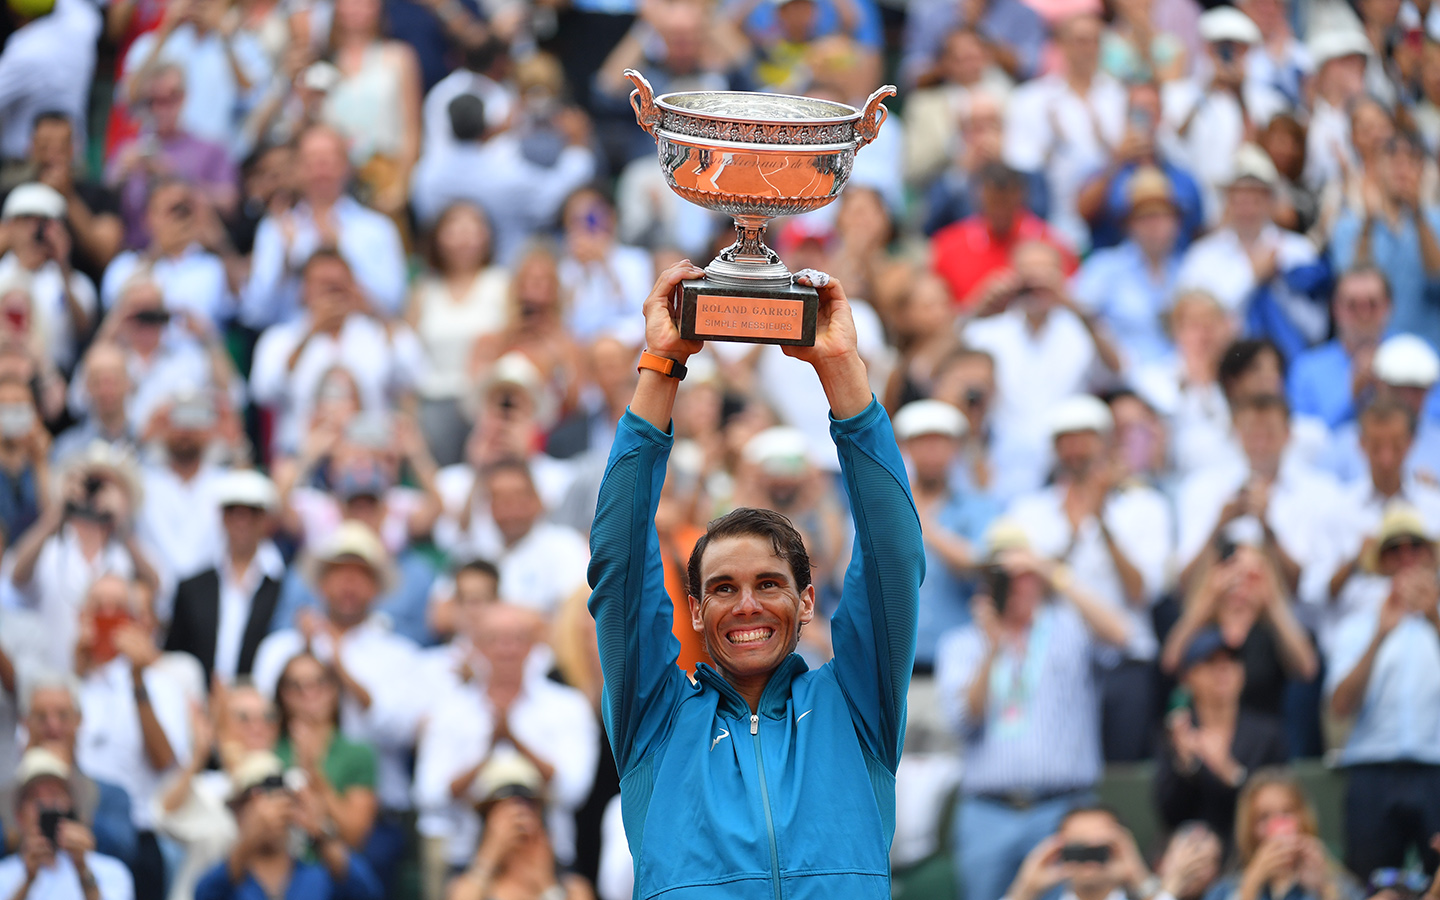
<point>260,297</point>
<point>359,883</point>
<point>372,247</point>
<point>269,384</point>
<point>1343,241</point>
<point>957,661</point>
<point>634,617</point>
<point>1028,129</point>
<point>874,627</point>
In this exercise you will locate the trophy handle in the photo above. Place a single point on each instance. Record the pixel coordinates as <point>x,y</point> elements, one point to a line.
<point>872,118</point>
<point>642,100</point>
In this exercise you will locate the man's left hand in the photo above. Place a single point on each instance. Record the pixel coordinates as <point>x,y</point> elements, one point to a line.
<point>75,839</point>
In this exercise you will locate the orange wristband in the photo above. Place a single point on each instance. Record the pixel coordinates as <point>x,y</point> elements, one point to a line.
<point>662,364</point>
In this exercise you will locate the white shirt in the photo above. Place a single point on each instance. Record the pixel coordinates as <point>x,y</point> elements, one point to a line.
<point>47,65</point>
<point>49,310</point>
<point>62,882</point>
<point>607,296</point>
<point>194,281</point>
<point>1199,416</point>
<point>499,100</point>
<point>180,522</point>
<point>368,242</point>
<point>1048,128</point>
<point>456,486</point>
<point>1327,145</point>
<point>214,102</point>
<point>1218,264</point>
<point>58,586</point>
<point>110,745</point>
<point>384,664</point>
<point>1139,520</point>
<point>382,365</point>
<point>553,721</point>
<point>22,638</point>
<point>616,878</point>
<point>236,598</point>
<point>542,569</point>
<point>1033,372</point>
<point>1217,128</point>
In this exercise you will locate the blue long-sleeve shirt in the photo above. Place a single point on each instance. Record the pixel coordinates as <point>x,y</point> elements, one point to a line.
<point>307,882</point>
<point>802,791</point>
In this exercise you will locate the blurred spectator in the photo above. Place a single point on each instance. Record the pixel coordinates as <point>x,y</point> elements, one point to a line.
<point>375,106</point>
<point>338,328</point>
<point>24,459</point>
<point>956,193</point>
<point>1129,287</point>
<point>481,73</point>
<point>464,296</point>
<point>30,81</point>
<point>1298,207</point>
<point>1014,684</point>
<point>1278,846</point>
<point>1066,123</point>
<point>1212,743</point>
<point>1105,199</point>
<point>1268,277</point>
<point>223,612</point>
<point>170,152</point>
<point>135,723</point>
<point>262,863</point>
<point>964,73</point>
<point>86,531</point>
<point>1134,50</point>
<point>50,712</point>
<point>791,42</point>
<point>91,209</point>
<point>1091,856</point>
<point>1399,232</point>
<point>56,860</point>
<point>374,669</point>
<point>508,706</point>
<point>531,168</point>
<point>1382,671</point>
<point>973,255</point>
<point>924,333</point>
<point>1213,119</point>
<point>220,65</point>
<point>1012,31</point>
<point>1241,599</point>
<point>325,217</point>
<point>605,280</point>
<point>1331,381</point>
<point>1279,61</point>
<point>1115,535</point>
<point>516,854</point>
<point>1339,56</point>
<point>62,301</point>
<point>192,278</point>
<point>1426,110</point>
<point>1405,368</point>
<point>1190,863</point>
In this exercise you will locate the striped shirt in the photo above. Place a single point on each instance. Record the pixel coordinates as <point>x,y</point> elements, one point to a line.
<point>1041,730</point>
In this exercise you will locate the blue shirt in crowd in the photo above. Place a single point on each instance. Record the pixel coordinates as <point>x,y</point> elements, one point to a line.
<point>1319,384</point>
<point>307,882</point>
<point>1397,254</point>
<point>1184,190</point>
<point>1118,286</point>
<point>1399,716</point>
<point>945,595</point>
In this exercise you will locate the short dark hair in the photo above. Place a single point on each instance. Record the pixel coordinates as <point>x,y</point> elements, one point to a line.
<point>1260,403</point>
<point>510,464</point>
<point>751,522</point>
<point>481,567</point>
<point>52,115</point>
<point>1240,356</point>
<point>1088,809</point>
<point>1001,177</point>
<point>467,117</point>
<point>325,254</point>
<point>1364,270</point>
<point>1381,409</point>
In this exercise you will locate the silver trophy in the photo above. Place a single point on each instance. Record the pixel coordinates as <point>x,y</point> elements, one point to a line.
<point>753,157</point>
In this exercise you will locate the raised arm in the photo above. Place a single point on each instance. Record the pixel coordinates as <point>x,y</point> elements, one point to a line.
<point>634,618</point>
<point>875,625</point>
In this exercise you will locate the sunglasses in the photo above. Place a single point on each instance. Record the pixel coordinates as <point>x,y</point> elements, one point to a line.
<point>1406,543</point>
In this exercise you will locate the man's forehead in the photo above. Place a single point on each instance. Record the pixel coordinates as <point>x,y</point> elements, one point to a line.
<point>740,555</point>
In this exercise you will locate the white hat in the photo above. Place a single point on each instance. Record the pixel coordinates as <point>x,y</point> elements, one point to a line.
<point>929,417</point>
<point>1004,533</point>
<point>1226,23</point>
<point>34,199</point>
<point>1255,164</point>
<point>781,450</point>
<point>254,769</point>
<point>246,487</point>
<point>1082,412</point>
<point>507,775</point>
<point>1406,360</point>
<point>39,762</point>
<point>353,540</point>
<point>1337,43</point>
<point>515,368</point>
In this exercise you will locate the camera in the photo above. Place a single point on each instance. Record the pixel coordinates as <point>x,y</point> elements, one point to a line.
<point>50,823</point>
<point>997,579</point>
<point>1226,51</point>
<point>1085,853</point>
<point>1224,549</point>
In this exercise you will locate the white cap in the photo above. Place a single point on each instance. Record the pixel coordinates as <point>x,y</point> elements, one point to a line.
<point>34,199</point>
<point>1082,412</point>
<point>515,368</point>
<point>1406,360</point>
<point>247,487</point>
<point>1004,533</point>
<point>507,775</point>
<point>39,762</point>
<point>929,417</point>
<point>253,770</point>
<point>1255,164</point>
<point>1226,23</point>
<point>1337,43</point>
<point>781,450</point>
<point>353,540</point>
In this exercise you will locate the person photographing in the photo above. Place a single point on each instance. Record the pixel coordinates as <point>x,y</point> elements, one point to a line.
<point>730,783</point>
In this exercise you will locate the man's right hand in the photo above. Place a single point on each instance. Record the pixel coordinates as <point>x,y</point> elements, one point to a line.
<point>662,336</point>
<point>1041,871</point>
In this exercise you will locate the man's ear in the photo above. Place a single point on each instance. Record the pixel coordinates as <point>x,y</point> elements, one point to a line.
<point>697,621</point>
<point>807,605</point>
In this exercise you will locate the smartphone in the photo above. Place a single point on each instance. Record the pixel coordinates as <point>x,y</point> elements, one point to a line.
<point>106,625</point>
<point>50,823</point>
<point>998,581</point>
<point>1224,548</point>
<point>1085,853</point>
<point>1226,51</point>
<point>1281,826</point>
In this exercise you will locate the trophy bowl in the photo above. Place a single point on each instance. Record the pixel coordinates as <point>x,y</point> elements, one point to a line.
<point>753,157</point>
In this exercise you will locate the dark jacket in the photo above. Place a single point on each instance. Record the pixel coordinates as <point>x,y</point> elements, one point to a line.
<point>196,621</point>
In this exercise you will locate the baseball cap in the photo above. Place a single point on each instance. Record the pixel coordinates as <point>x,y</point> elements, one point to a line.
<point>246,487</point>
<point>929,417</point>
<point>1337,43</point>
<point>1206,643</point>
<point>781,450</point>
<point>34,199</point>
<point>1081,412</point>
<point>1406,360</point>
<point>1226,23</point>
<point>37,763</point>
<point>1253,164</point>
<point>506,775</point>
<point>1148,187</point>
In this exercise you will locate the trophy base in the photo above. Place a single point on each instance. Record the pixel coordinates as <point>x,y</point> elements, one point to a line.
<point>710,311</point>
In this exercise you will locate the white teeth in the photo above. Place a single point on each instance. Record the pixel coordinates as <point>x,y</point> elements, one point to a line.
<point>750,637</point>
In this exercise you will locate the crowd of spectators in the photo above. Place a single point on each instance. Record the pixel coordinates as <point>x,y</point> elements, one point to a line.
<point>317,318</point>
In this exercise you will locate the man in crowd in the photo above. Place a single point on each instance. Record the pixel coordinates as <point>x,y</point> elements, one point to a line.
<point>1015,683</point>
<point>91,210</point>
<point>1331,381</point>
<point>1405,368</point>
<point>750,595</point>
<point>63,302</point>
<point>1112,866</point>
<point>106,385</point>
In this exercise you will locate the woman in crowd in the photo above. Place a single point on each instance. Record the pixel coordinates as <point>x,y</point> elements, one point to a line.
<point>341,770</point>
<point>461,297</point>
<point>924,333</point>
<point>1132,50</point>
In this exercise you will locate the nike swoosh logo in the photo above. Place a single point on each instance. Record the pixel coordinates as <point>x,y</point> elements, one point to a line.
<point>803,715</point>
<point>718,738</point>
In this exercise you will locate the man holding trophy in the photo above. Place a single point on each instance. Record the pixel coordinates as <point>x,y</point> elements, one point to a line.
<point>761,771</point>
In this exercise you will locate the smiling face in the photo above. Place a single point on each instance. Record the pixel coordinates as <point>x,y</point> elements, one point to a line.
<point>749,609</point>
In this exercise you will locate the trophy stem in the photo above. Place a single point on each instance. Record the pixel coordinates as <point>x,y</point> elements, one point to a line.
<point>748,261</point>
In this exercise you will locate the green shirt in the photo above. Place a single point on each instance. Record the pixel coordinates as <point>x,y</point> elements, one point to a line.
<point>347,763</point>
